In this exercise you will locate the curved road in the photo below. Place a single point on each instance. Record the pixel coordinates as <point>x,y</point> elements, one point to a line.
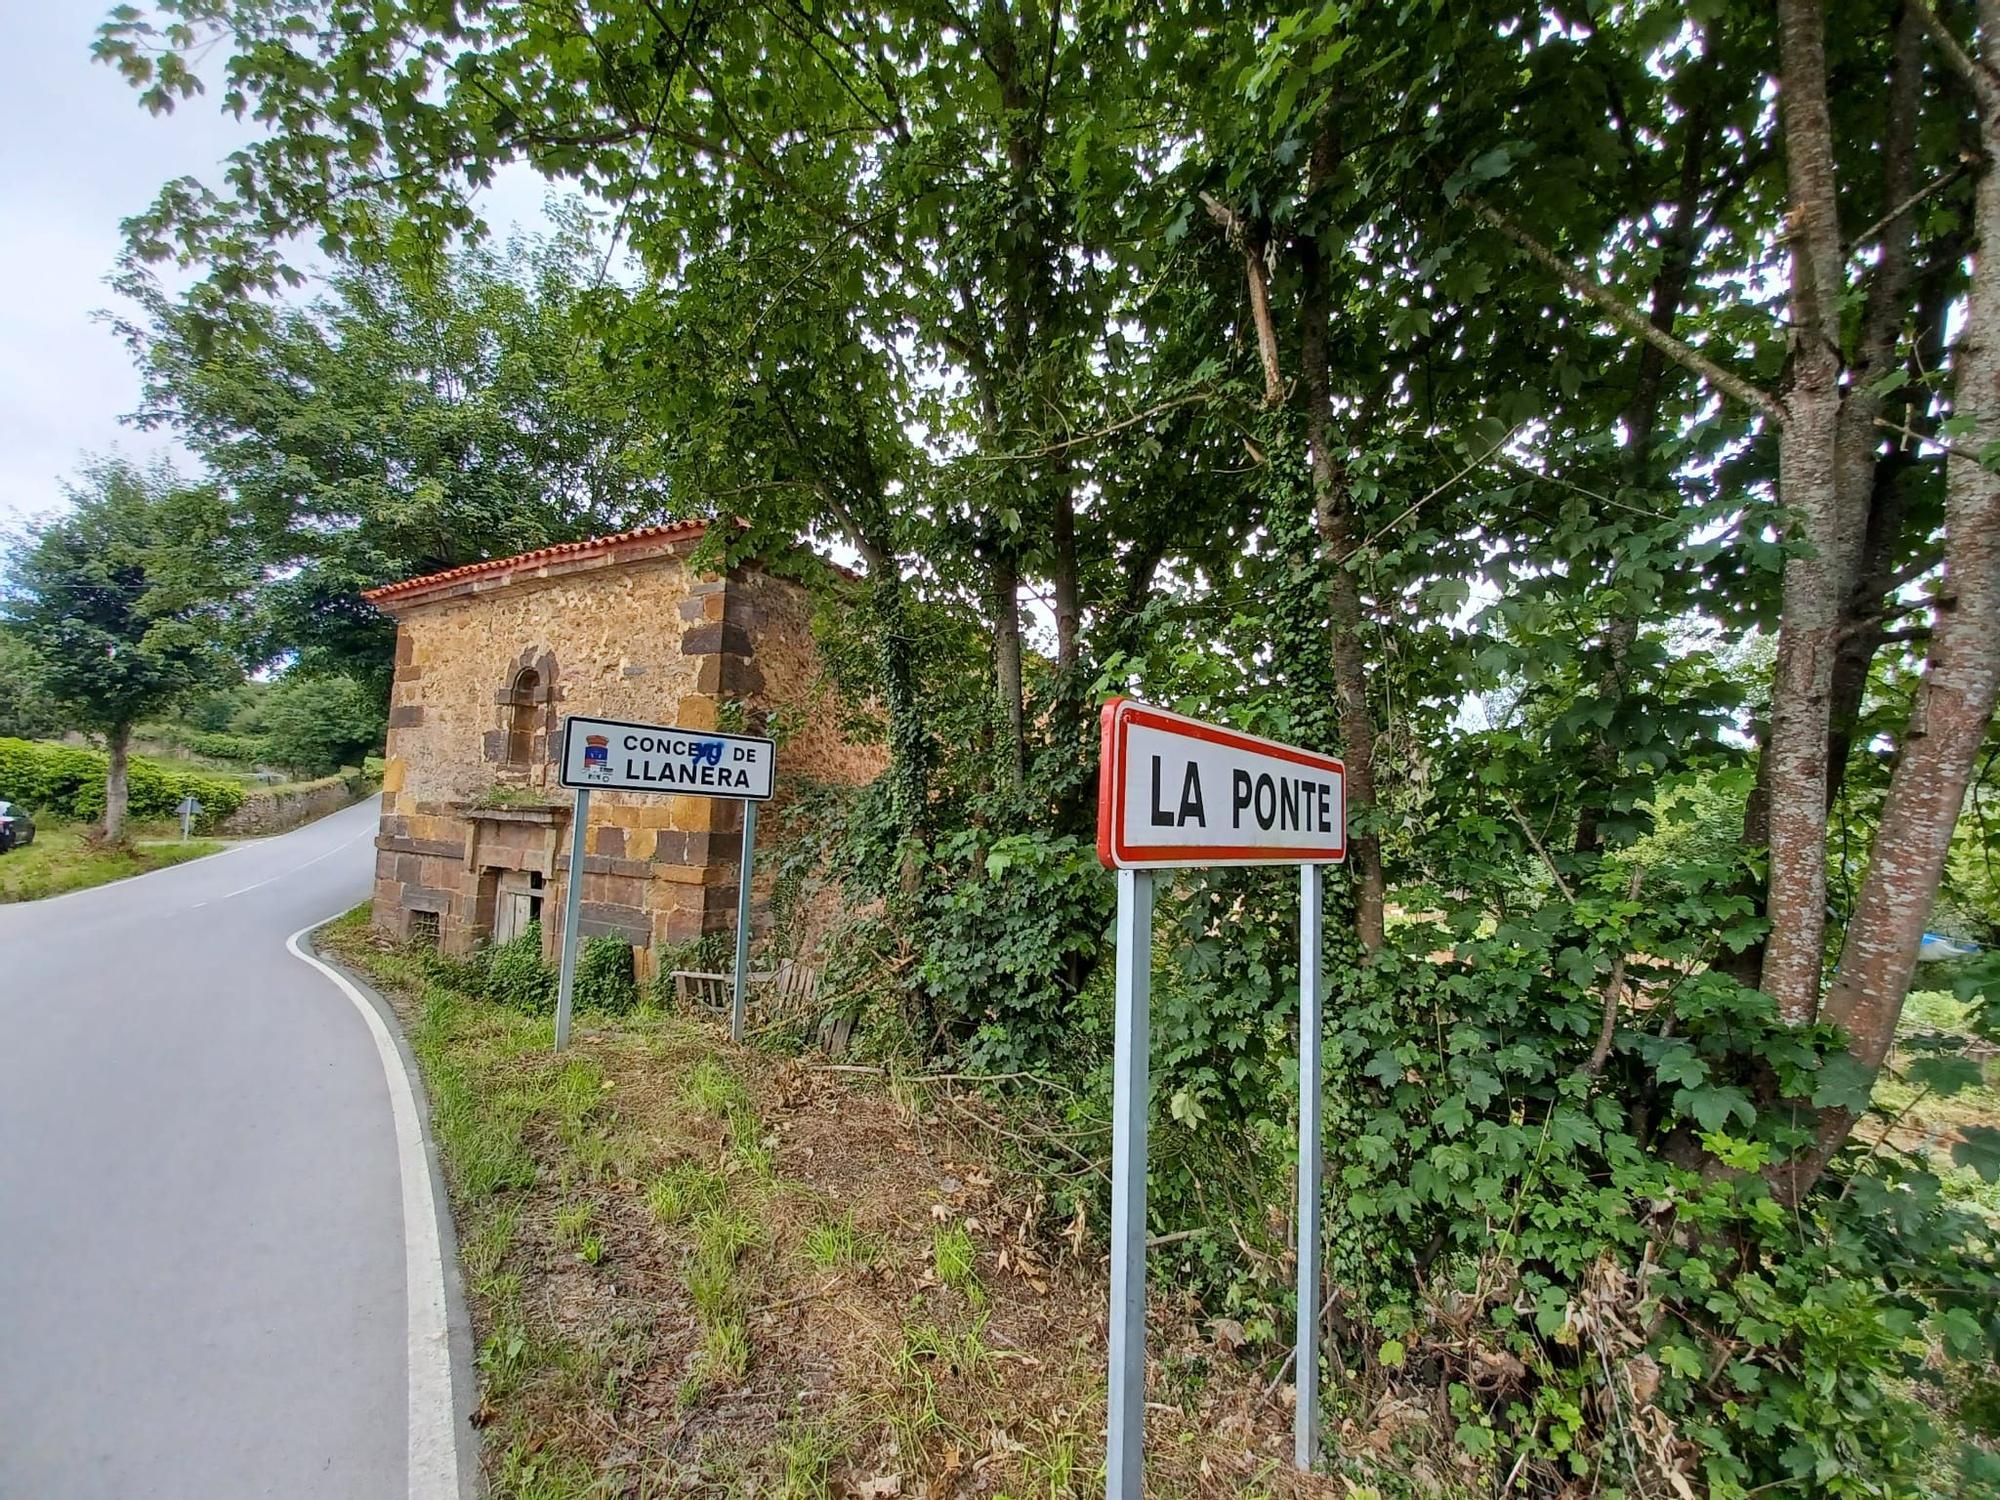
<point>204,1162</point>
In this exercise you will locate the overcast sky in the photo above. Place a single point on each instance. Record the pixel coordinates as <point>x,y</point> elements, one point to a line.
<point>77,155</point>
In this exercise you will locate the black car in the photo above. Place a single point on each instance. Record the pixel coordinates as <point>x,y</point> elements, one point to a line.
<point>16,827</point>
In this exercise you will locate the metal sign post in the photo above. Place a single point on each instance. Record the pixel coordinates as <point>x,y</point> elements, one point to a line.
<point>736,1001</point>
<point>1305,1414</point>
<point>1124,1454</point>
<point>572,909</point>
<point>612,755</point>
<point>1176,793</point>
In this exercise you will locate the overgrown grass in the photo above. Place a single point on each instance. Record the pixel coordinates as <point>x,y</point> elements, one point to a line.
<point>685,1191</point>
<point>834,1244</point>
<point>806,1453</point>
<point>63,859</point>
<point>679,1367</point>
<point>954,1256</point>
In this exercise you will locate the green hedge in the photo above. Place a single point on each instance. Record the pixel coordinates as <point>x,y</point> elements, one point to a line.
<point>514,974</point>
<point>69,782</point>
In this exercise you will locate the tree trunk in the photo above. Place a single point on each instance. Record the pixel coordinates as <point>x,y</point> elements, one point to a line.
<point>1870,480</point>
<point>1816,575</point>
<point>909,753</point>
<point>1332,518</point>
<point>1955,702</point>
<point>118,742</point>
<point>1007,662</point>
<point>1357,725</point>
<point>1641,418</point>
<point>1068,599</point>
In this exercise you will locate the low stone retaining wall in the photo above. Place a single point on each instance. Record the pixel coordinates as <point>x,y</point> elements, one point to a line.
<point>279,808</point>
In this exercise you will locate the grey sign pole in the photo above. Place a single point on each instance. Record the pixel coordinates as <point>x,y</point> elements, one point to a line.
<point>736,1005</point>
<point>1305,1415</point>
<point>1125,1438</point>
<point>572,914</point>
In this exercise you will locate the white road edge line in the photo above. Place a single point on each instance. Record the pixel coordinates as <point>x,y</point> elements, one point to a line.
<point>433,1453</point>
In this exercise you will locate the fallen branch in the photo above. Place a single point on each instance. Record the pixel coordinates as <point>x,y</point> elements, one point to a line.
<point>1026,1140</point>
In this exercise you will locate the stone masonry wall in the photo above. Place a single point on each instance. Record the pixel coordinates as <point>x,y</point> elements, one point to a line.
<point>275,809</point>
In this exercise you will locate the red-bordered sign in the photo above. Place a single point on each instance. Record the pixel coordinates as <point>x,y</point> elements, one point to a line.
<point>1174,791</point>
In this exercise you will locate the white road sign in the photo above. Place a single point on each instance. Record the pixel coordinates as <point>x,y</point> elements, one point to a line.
<point>1175,792</point>
<point>608,755</point>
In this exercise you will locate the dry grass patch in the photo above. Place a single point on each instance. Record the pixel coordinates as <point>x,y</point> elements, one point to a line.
<point>702,1270</point>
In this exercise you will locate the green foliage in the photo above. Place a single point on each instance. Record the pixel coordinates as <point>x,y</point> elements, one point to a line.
<point>128,598</point>
<point>1007,939</point>
<point>711,953</point>
<point>834,1244</point>
<point>953,1256</point>
<point>417,415</point>
<point>315,725</point>
<point>686,1191</point>
<point>977,300</point>
<point>1463,1137</point>
<point>604,975</point>
<point>515,976</point>
<point>27,711</point>
<point>68,782</point>
<point>238,749</point>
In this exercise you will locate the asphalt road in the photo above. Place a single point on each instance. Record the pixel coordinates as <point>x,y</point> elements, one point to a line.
<point>204,1169</point>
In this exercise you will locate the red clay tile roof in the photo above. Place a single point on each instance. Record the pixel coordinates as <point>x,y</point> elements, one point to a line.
<point>501,569</point>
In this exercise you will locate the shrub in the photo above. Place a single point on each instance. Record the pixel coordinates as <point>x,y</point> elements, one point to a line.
<point>210,744</point>
<point>69,782</point>
<point>517,978</point>
<point>1008,941</point>
<point>711,953</point>
<point>315,725</point>
<point>604,978</point>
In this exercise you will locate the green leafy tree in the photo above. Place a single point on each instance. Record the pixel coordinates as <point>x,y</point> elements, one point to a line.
<point>417,414</point>
<point>26,710</point>
<point>129,599</point>
<point>313,725</point>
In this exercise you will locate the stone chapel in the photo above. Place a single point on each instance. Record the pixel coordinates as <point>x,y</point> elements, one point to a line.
<point>474,841</point>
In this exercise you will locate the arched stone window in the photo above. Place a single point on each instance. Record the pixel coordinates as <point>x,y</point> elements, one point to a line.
<point>524,707</point>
